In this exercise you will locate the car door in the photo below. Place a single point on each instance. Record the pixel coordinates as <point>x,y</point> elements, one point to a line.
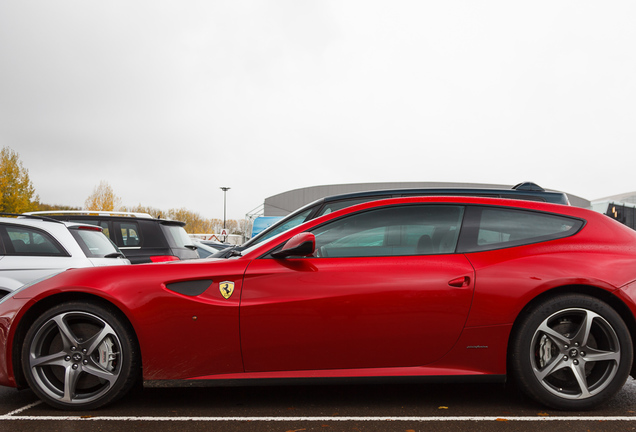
<point>383,289</point>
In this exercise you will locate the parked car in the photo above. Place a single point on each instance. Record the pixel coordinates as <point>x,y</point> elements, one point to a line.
<point>204,249</point>
<point>527,191</point>
<point>415,287</point>
<point>216,245</point>
<point>32,248</point>
<point>140,237</point>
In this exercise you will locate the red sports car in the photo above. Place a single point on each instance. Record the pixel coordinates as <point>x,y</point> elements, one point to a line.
<point>406,287</point>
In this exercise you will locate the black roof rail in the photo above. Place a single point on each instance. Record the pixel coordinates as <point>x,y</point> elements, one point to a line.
<point>28,216</point>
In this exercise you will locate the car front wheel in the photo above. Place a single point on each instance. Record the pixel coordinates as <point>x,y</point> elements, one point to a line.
<point>79,355</point>
<point>571,352</point>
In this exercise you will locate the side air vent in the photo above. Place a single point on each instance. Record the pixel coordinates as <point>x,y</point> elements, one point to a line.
<point>528,186</point>
<point>190,288</point>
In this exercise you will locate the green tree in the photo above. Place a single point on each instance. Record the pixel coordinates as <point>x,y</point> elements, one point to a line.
<point>17,194</point>
<point>103,198</point>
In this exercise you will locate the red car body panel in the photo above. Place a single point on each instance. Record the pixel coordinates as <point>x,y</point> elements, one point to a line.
<point>342,317</point>
<point>351,313</point>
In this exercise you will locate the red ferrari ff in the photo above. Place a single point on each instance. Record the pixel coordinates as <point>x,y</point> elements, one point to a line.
<point>443,287</point>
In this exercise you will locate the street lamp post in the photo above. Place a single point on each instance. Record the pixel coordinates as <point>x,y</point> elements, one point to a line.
<point>224,189</point>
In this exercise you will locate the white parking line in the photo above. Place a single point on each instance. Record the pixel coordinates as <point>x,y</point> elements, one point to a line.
<point>318,419</point>
<point>13,415</point>
<point>24,408</point>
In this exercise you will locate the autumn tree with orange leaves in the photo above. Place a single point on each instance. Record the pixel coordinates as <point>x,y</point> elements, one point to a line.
<point>17,194</point>
<point>103,198</point>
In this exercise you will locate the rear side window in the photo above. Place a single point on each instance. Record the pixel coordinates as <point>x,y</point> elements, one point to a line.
<point>488,228</point>
<point>178,235</point>
<point>130,234</point>
<point>19,240</point>
<point>93,242</point>
<point>100,223</point>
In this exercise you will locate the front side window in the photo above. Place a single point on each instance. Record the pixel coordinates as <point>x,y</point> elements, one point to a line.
<point>393,231</point>
<point>489,228</point>
<point>21,240</point>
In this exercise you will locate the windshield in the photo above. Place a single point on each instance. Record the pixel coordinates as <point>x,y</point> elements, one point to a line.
<point>288,223</point>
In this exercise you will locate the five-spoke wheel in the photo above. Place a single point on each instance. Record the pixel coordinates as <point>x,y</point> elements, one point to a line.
<point>80,356</point>
<point>571,352</point>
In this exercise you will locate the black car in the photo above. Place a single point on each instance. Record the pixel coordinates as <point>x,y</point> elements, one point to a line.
<point>527,191</point>
<point>139,236</point>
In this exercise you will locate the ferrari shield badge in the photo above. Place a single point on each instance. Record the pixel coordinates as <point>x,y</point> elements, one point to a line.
<point>226,288</point>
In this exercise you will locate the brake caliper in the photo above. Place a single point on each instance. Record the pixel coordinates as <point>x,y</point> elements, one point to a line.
<point>545,351</point>
<point>107,355</point>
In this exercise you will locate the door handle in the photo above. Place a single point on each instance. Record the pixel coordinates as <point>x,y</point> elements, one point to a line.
<point>460,282</point>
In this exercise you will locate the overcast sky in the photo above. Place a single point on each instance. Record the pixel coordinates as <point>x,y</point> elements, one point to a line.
<point>170,100</point>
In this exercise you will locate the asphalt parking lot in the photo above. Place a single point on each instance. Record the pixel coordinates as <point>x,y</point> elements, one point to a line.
<point>329,408</point>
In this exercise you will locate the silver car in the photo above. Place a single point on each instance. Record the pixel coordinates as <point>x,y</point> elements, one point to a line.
<point>33,247</point>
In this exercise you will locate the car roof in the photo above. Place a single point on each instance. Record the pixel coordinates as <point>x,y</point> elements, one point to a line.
<point>28,220</point>
<point>521,190</point>
<point>91,213</point>
<point>69,215</point>
<point>44,222</point>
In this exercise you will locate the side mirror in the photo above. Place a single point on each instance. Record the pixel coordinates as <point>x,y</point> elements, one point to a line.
<point>302,244</point>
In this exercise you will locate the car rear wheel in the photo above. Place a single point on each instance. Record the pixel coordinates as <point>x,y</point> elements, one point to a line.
<point>80,355</point>
<point>571,352</point>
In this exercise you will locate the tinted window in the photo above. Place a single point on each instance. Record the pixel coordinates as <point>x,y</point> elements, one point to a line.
<point>130,234</point>
<point>178,235</point>
<point>26,241</point>
<point>490,228</point>
<point>100,223</point>
<point>393,231</point>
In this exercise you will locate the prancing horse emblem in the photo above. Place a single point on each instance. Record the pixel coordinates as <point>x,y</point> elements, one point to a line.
<point>226,288</point>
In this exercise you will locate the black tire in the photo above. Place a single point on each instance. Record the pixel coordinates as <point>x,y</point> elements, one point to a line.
<point>80,356</point>
<point>571,352</point>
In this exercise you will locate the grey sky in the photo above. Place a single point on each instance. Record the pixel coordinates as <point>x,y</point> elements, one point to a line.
<point>169,100</point>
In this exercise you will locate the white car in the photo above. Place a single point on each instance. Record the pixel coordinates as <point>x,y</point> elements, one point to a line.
<point>34,247</point>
